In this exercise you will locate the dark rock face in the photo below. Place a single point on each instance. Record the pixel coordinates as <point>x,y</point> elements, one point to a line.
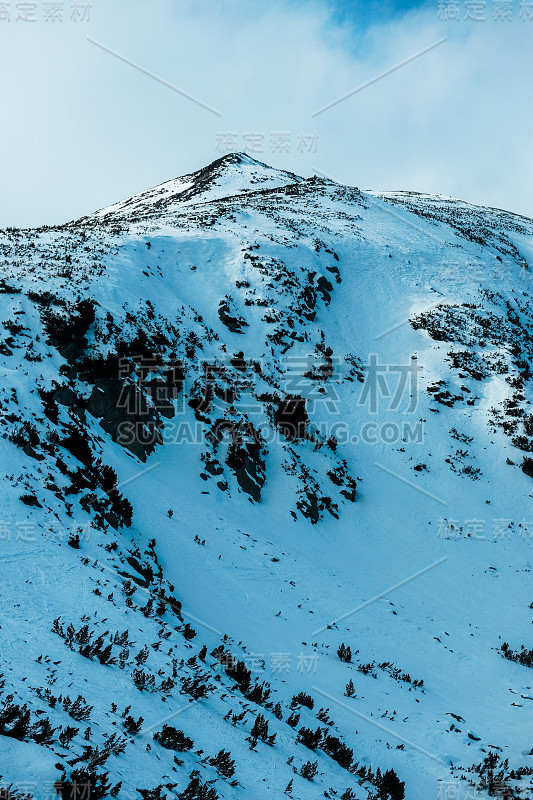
<point>130,408</point>
<point>246,459</point>
<point>159,391</point>
<point>309,507</point>
<point>128,417</point>
<point>67,331</point>
<point>66,396</point>
<point>28,449</point>
<point>309,300</point>
<point>325,288</point>
<point>213,467</point>
<point>527,466</point>
<point>233,324</point>
<point>143,569</point>
<point>351,492</point>
<point>30,500</point>
<point>291,417</point>
<point>251,474</point>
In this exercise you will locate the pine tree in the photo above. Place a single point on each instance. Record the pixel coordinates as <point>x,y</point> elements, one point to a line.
<point>309,770</point>
<point>260,728</point>
<point>345,653</point>
<point>391,786</point>
<point>173,739</point>
<point>223,763</point>
<point>42,732</point>
<point>67,734</point>
<point>133,726</point>
<point>309,738</point>
<point>88,781</point>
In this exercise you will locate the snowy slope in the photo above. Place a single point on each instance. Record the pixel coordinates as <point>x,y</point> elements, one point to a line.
<point>150,334</point>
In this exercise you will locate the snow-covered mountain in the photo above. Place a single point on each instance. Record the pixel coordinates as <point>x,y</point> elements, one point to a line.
<point>267,483</point>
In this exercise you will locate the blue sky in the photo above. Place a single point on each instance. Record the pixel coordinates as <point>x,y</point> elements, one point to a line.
<point>83,125</point>
<point>363,13</point>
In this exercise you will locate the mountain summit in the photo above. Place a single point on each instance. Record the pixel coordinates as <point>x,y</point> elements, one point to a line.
<point>233,174</point>
<point>266,499</point>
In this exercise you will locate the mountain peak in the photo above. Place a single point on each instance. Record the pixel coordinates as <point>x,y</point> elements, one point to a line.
<point>238,159</point>
<point>231,174</point>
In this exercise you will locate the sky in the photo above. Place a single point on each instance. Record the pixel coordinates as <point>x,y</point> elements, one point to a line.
<point>120,96</point>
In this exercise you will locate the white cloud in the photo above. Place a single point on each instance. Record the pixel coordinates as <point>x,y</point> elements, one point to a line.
<point>82,129</point>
